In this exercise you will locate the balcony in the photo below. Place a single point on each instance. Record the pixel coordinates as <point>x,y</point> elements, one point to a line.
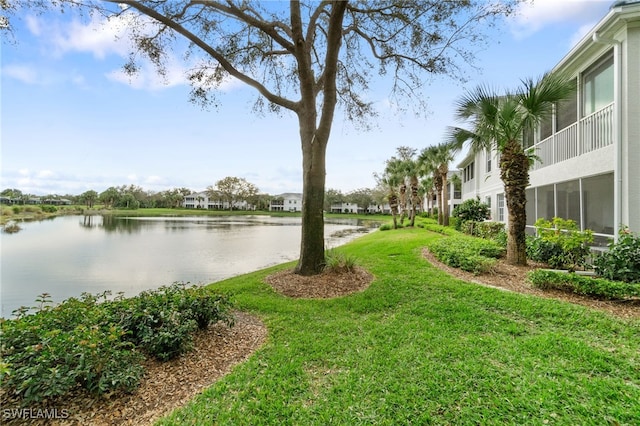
<point>592,132</point>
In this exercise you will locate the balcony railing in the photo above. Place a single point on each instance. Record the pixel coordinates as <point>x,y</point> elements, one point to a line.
<point>592,132</point>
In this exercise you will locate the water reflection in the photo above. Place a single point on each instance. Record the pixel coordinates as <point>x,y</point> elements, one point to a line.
<point>72,254</point>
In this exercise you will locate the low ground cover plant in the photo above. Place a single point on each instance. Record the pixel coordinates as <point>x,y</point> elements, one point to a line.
<point>467,253</point>
<point>444,230</point>
<point>588,286</point>
<point>98,344</point>
<point>622,261</point>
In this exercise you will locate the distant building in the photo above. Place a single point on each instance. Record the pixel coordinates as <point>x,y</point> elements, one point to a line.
<point>287,202</point>
<point>57,201</point>
<point>201,200</point>
<point>344,208</point>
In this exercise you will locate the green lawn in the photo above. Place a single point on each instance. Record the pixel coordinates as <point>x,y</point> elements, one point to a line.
<point>419,347</point>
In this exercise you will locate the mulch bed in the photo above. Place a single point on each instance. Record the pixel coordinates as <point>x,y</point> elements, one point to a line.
<point>514,278</point>
<point>326,285</point>
<point>165,385</point>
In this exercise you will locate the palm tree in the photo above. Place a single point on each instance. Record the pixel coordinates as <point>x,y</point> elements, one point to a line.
<point>390,182</point>
<point>411,169</point>
<point>499,122</point>
<point>408,169</point>
<point>437,159</point>
<point>393,178</point>
<point>427,190</point>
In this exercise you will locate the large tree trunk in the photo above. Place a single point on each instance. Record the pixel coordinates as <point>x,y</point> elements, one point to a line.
<point>314,134</point>
<point>514,171</point>
<point>312,261</point>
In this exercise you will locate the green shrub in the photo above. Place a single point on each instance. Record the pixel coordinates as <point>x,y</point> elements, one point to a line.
<point>161,322</point>
<point>560,244</point>
<point>470,210</point>
<point>501,238</point>
<point>84,343</point>
<point>386,227</point>
<point>542,250</point>
<point>206,307</point>
<point>622,261</point>
<point>571,282</point>
<point>49,209</point>
<point>487,230</point>
<point>50,353</point>
<point>467,253</point>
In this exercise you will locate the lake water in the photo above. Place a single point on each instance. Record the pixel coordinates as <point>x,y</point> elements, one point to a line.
<point>69,255</point>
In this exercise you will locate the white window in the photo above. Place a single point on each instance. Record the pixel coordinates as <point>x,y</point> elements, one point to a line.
<point>597,86</point>
<point>468,173</point>
<point>488,154</point>
<point>500,207</point>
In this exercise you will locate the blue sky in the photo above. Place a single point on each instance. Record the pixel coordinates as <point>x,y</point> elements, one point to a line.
<point>71,122</point>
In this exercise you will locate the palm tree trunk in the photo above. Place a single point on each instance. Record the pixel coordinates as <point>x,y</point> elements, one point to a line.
<point>514,172</point>
<point>437,182</point>
<point>445,200</point>
<point>403,202</point>
<point>393,205</point>
<point>415,199</point>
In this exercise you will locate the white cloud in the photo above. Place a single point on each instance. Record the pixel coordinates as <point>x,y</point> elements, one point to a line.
<point>153,180</point>
<point>33,25</point>
<point>24,73</point>
<point>581,32</point>
<point>44,174</point>
<point>99,36</point>
<point>533,17</point>
<point>103,37</point>
<point>42,75</point>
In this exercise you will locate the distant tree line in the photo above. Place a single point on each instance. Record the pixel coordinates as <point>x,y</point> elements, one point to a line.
<point>230,190</point>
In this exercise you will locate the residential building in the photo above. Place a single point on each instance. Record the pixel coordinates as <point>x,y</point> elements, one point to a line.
<point>590,149</point>
<point>287,202</point>
<point>202,200</point>
<point>345,208</point>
